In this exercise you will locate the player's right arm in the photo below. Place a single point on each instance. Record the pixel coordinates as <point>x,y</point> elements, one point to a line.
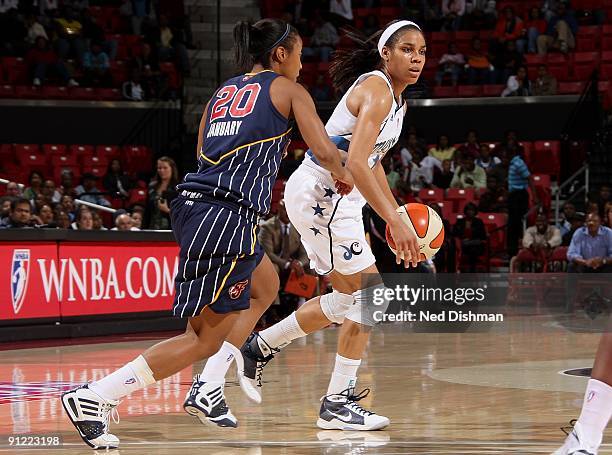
<point>370,102</point>
<point>290,97</point>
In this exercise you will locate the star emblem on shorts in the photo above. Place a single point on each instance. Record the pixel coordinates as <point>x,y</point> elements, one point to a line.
<point>315,230</point>
<point>318,210</point>
<point>329,192</point>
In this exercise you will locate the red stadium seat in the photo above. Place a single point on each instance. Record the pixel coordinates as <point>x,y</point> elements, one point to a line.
<point>111,152</point>
<point>28,92</point>
<point>493,90</point>
<point>54,149</point>
<point>431,195</point>
<point>494,224</point>
<point>606,70</point>
<point>584,65</point>
<point>15,70</point>
<point>98,171</point>
<point>560,72</point>
<point>571,88</point>
<point>108,94</point>
<point>137,196</point>
<point>33,162</point>
<point>469,91</point>
<point>52,92</point>
<point>7,91</point>
<point>460,197</point>
<point>63,160</point>
<point>82,93</point>
<point>447,208</point>
<point>94,161</point>
<point>606,56</point>
<point>542,180</point>
<point>26,149</point>
<point>139,159</point>
<point>453,217</point>
<point>78,150</point>
<point>445,92</point>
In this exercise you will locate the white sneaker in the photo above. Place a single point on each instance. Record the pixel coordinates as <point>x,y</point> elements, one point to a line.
<point>354,438</point>
<point>72,83</point>
<point>575,443</point>
<point>90,414</point>
<point>36,82</point>
<point>341,412</point>
<point>206,401</point>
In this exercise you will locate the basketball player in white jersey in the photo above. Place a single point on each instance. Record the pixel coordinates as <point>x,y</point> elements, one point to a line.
<point>365,125</point>
<point>587,434</point>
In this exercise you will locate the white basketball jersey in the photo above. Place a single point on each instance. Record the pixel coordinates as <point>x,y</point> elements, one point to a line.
<point>342,122</point>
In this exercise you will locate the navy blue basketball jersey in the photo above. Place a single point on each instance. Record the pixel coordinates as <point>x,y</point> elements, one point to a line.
<point>243,142</point>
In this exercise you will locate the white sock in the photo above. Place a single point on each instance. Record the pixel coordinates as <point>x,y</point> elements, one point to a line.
<point>127,379</point>
<point>280,334</point>
<point>596,411</point>
<point>217,365</point>
<point>344,375</point>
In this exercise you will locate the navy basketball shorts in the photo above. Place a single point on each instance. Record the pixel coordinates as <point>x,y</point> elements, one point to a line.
<point>219,251</point>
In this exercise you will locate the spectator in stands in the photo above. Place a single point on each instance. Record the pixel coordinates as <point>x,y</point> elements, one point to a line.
<point>479,67</point>
<point>148,65</point>
<point>393,177</point>
<point>96,66</point>
<point>443,150</point>
<point>93,33</point>
<point>12,189</point>
<point>98,223</point>
<point>50,193</point>
<point>67,205</point>
<point>468,175</point>
<point>507,62</point>
<point>132,89</point>
<point>534,27</point>
<point>472,234</point>
<point>450,64</point>
<point>20,215</point>
<point>36,181</point>
<point>452,12</point>
<point>480,15</point>
<point>421,171</point>
<point>67,183</point>
<point>321,90</point>
<point>485,160</point>
<point>13,32</point>
<point>41,60</point>
<point>591,247</point>
<point>602,197</point>
<point>608,214</point>
<point>509,28</point>
<point>443,177</point>
<point>495,198</point>
<point>62,220</point>
<point>161,192</point>
<point>169,45</point>
<point>471,146</point>
<point>518,84</point>
<point>124,222</point>
<point>35,29</point>
<point>69,35</point>
<point>341,12</point>
<point>83,219</point>
<point>576,221</point>
<point>45,216</point>
<point>560,31</point>
<point>5,206</point>
<point>116,181</point>
<point>445,258</point>
<point>540,240</point>
<point>545,84</point>
<point>500,171</point>
<point>518,199</point>
<point>408,148</point>
<point>137,220</point>
<point>323,41</point>
<point>88,192</point>
<point>568,212</point>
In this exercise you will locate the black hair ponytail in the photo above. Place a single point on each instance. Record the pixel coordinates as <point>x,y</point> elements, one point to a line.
<point>348,64</point>
<point>254,43</point>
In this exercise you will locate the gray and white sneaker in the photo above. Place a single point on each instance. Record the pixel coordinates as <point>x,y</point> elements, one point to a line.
<point>206,401</point>
<point>575,443</point>
<point>256,354</point>
<point>342,412</point>
<point>90,414</point>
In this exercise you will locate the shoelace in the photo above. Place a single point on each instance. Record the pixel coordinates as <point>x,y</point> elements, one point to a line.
<point>262,362</point>
<point>567,430</point>
<point>109,411</point>
<point>352,399</point>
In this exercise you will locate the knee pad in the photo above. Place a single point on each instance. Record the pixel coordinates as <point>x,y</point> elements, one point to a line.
<point>369,303</point>
<point>335,305</point>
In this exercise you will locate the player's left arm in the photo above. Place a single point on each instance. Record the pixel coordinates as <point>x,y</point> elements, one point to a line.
<point>201,130</point>
<point>383,183</point>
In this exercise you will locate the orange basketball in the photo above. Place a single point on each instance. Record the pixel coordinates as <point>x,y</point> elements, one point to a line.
<point>426,225</point>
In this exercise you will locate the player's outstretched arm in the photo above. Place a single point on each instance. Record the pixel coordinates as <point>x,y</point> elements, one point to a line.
<point>201,130</point>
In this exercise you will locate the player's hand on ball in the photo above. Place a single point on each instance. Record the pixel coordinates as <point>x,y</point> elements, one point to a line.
<point>344,182</point>
<point>406,244</point>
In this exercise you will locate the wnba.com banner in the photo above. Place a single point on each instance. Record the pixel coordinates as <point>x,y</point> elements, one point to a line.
<point>46,280</point>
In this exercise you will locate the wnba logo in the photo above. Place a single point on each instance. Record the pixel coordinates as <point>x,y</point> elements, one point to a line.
<point>20,270</point>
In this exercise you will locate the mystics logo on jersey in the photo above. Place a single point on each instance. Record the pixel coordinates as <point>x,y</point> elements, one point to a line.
<point>20,271</point>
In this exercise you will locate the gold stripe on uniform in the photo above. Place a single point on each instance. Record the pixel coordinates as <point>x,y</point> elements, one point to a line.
<point>243,146</point>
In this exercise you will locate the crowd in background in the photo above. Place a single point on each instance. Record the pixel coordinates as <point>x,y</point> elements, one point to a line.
<point>63,42</point>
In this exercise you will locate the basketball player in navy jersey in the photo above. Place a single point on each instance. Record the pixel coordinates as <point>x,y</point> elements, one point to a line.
<point>365,125</point>
<point>222,269</point>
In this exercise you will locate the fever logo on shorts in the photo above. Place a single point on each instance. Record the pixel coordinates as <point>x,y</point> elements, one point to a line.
<point>236,290</point>
<point>20,270</point>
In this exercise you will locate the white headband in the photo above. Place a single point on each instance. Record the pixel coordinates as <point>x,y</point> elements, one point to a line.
<point>390,30</point>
